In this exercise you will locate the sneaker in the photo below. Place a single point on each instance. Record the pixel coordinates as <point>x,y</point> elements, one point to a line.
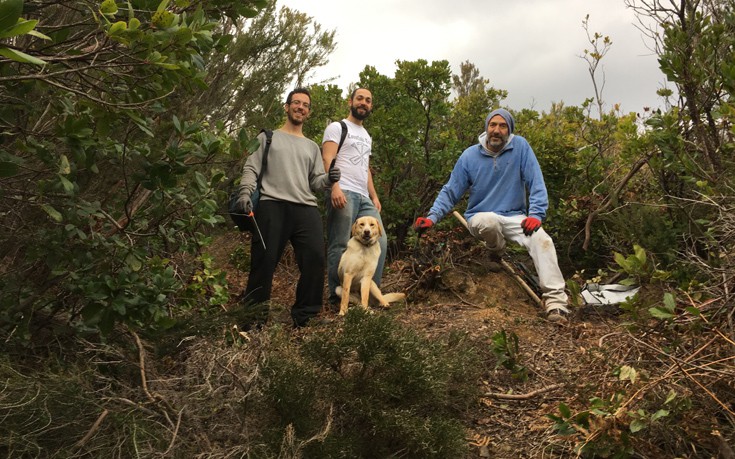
<point>558,316</point>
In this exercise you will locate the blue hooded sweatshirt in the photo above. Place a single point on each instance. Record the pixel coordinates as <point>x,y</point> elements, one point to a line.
<point>497,181</point>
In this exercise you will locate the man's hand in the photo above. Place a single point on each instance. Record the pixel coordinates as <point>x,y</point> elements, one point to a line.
<point>245,204</point>
<point>530,225</point>
<point>334,173</point>
<point>422,224</point>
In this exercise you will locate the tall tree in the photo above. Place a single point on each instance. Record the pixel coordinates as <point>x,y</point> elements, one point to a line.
<point>267,56</point>
<point>475,98</point>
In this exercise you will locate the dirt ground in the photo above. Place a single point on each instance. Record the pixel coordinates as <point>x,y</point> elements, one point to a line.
<point>452,285</point>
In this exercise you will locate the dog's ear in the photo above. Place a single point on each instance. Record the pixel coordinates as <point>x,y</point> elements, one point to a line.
<point>354,231</point>
<point>380,228</point>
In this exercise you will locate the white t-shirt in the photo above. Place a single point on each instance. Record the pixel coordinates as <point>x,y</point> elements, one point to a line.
<point>353,159</point>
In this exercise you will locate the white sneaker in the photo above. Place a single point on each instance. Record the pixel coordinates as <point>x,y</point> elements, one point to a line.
<point>558,316</point>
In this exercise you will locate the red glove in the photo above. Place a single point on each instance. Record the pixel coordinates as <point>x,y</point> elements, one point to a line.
<point>530,225</point>
<point>422,224</point>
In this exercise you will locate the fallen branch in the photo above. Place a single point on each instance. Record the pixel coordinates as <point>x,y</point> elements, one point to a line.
<point>524,396</point>
<point>93,429</point>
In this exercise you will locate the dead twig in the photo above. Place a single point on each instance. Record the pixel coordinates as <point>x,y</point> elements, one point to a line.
<point>175,433</point>
<point>525,396</point>
<point>479,306</point>
<point>141,363</point>
<point>92,430</point>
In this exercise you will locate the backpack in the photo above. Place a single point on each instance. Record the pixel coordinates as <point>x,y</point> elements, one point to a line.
<point>247,222</point>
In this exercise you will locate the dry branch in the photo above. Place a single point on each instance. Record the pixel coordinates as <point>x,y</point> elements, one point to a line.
<point>524,396</point>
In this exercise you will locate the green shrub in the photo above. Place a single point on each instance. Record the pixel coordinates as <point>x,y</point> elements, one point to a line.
<point>386,390</point>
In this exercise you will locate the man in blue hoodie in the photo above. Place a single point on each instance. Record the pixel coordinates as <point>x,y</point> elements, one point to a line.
<point>498,171</point>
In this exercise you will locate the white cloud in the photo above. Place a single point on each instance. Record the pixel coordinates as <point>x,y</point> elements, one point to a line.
<point>530,48</point>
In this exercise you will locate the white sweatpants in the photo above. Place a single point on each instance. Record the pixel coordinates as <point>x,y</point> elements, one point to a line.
<point>495,229</point>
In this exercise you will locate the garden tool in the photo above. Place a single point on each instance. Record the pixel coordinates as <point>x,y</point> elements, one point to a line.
<point>260,235</point>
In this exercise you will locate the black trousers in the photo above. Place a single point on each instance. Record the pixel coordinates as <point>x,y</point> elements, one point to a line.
<point>281,222</point>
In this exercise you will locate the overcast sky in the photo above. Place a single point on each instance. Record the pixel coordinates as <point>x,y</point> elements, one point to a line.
<point>531,48</point>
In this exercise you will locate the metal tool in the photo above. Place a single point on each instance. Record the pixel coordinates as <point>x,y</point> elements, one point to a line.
<point>260,235</point>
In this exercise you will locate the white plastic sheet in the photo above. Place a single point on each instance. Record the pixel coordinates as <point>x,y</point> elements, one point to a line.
<point>598,294</point>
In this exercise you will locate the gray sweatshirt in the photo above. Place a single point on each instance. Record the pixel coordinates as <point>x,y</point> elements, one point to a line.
<point>294,172</point>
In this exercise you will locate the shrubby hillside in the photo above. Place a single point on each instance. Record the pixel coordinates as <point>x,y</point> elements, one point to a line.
<point>124,124</point>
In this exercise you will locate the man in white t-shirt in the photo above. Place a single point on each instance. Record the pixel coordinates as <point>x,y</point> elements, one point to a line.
<point>354,195</point>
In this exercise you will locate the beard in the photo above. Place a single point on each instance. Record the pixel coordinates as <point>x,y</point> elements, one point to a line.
<point>496,143</point>
<point>293,120</point>
<point>358,115</point>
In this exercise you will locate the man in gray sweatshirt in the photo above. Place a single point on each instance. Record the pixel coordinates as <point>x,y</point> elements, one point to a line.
<point>287,212</point>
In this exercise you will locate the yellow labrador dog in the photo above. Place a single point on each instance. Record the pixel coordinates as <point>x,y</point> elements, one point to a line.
<point>358,264</point>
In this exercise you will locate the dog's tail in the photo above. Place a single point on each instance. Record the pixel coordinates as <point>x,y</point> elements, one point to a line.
<point>393,297</point>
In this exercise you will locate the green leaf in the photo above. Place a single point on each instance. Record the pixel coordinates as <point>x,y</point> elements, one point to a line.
<point>37,34</point>
<point>640,254</point>
<point>628,373</point>
<point>201,181</point>
<point>565,411</point>
<point>108,7</point>
<point>660,313</point>
<point>68,185</point>
<point>53,213</point>
<point>64,167</point>
<point>637,425</point>
<point>168,66</point>
<point>133,262</point>
<point>669,302</point>
<point>119,26</point>
<point>670,397</point>
<point>10,11</point>
<point>162,6</point>
<point>21,28</point>
<point>19,56</point>
<point>693,311</point>
<point>659,414</point>
<point>620,259</point>
<point>8,169</point>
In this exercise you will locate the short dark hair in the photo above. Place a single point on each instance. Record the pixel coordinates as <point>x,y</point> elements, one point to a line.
<point>354,91</point>
<point>298,91</point>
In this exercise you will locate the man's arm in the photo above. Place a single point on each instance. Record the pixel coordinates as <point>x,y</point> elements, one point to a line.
<point>372,193</point>
<point>329,153</point>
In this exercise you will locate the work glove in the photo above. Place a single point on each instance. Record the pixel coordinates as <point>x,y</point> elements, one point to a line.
<point>334,173</point>
<point>245,204</point>
<point>530,225</point>
<point>422,224</point>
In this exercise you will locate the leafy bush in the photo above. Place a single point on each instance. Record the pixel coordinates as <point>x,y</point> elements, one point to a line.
<point>388,390</point>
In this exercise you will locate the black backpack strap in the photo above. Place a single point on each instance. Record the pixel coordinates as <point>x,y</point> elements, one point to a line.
<point>343,136</point>
<point>266,149</point>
